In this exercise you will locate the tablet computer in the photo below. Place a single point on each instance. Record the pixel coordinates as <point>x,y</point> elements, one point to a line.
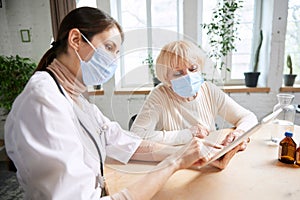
<point>241,138</point>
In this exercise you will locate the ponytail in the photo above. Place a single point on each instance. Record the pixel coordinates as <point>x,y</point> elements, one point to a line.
<point>47,59</point>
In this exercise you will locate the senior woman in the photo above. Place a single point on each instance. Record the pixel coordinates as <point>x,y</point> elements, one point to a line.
<point>184,105</point>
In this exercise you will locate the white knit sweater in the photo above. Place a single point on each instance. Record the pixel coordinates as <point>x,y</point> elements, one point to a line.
<point>166,118</point>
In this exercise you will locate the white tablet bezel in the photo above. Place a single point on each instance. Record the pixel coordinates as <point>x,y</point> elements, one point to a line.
<point>241,138</point>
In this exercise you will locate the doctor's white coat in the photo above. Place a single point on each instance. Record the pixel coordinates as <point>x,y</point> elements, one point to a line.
<point>55,158</point>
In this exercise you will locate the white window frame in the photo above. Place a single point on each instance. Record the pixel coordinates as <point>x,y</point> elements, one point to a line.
<point>226,75</point>
<point>116,13</point>
<point>297,81</point>
<point>255,40</point>
<point>116,10</point>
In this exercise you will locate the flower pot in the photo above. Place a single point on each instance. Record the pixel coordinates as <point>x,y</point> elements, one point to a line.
<point>155,81</point>
<point>251,78</point>
<point>289,79</point>
<point>97,87</point>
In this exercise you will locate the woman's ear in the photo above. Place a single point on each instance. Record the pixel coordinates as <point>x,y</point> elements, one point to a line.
<point>74,39</point>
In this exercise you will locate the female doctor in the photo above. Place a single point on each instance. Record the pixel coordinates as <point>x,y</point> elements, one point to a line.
<point>58,141</point>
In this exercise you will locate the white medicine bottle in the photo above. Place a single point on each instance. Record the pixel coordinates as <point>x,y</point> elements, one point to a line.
<point>284,121</point>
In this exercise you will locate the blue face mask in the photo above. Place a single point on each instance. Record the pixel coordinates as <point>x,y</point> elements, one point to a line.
<point>99,69</point>
<point>187,85</point>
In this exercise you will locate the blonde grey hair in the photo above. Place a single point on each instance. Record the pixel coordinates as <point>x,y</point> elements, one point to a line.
<point>178,53</point>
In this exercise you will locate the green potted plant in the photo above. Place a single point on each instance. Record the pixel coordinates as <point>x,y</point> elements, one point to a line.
<point>150,62</point>
<point>14,74</point>
<point>222,32</point>
<point>251,78</point>
<point>289,79</point>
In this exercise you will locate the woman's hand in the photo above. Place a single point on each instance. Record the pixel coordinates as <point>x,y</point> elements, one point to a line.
<point>233,136</point>
<point>222,162</point>
<point>199,131</point>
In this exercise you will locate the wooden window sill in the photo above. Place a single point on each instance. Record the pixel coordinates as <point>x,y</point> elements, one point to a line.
<point>244,89</point>
<point>96,92</point>
<point>131,91</point>
<point>226,89</point>
<point>295,88</point>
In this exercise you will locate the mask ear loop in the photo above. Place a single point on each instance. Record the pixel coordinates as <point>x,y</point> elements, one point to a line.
<point>88,41</point>
<point>78,55</point>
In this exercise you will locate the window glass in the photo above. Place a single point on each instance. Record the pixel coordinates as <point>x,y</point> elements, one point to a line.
<point>133,14</point>
<point>133,18</point>
<point>240,60</point>
<point>148,26</point>
<point>292,42</point>
<point>164,14</point>
<point>90,3</point>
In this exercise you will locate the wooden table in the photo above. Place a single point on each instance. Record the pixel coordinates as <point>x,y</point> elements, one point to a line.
<point>255,173</point>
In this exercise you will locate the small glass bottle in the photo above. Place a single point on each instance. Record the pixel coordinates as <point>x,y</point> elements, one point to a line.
<point>297,155</point>
<point>285,120</point>
<point>287,149</point>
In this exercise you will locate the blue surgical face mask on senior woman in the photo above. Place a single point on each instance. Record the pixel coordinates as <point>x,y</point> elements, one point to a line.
<point>187,85</point>
<point>99,69</point>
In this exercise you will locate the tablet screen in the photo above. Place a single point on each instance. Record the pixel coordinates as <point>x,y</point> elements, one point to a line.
<point>241,138</point>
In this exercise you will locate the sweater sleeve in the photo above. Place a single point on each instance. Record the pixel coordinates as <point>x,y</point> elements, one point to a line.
<point>148,123</point>
<point>231,111</point>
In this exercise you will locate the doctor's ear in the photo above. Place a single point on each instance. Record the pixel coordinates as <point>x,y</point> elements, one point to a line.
<point>74,38</point>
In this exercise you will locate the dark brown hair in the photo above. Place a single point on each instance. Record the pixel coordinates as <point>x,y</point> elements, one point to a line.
<point>90,21</point>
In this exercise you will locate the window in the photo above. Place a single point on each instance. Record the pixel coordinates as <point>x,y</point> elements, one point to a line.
<point>148,26</point>
<point>292,39</point>
<point>240,60</point>
<point>90,3</point>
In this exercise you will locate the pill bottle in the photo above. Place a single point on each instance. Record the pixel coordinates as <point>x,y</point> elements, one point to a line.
<point>287,149</point>
<point>297,155</point>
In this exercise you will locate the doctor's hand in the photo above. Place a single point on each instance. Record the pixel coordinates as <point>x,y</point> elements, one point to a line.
<point>196,153</point>
<point>193,153</point>
<point>199,131</point>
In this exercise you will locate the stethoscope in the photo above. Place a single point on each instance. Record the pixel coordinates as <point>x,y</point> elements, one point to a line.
<point>100,179</point>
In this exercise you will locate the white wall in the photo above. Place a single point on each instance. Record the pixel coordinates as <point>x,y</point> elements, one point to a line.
<point>35,15</point>
<point>5,42</point>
